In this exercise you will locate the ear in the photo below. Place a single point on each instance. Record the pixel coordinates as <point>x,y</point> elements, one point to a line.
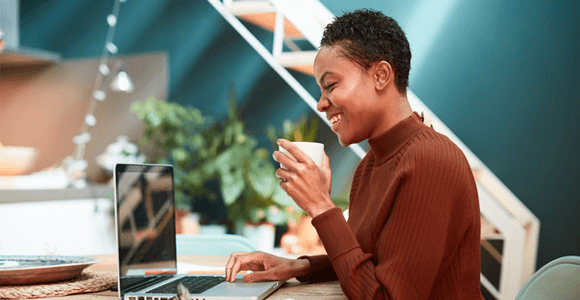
<point>383,75</point>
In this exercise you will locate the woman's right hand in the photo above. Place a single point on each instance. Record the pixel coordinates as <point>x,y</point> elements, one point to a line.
<point>265,266</point>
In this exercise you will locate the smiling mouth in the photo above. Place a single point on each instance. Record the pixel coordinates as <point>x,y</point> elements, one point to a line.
<point>334,120</point>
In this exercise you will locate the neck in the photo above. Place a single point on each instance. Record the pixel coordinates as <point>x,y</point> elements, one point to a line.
<point>398,109</point>
<point>394,107</point>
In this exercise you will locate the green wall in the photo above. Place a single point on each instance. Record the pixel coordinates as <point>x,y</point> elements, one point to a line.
<point>502,76</point>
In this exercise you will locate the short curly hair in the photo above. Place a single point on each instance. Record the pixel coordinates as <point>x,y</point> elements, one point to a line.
<point>367,36</point>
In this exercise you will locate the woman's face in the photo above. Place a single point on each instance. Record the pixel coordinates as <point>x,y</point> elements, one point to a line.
<point>348,96</point>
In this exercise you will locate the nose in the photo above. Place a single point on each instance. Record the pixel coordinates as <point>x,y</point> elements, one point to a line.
<point>323,104</point>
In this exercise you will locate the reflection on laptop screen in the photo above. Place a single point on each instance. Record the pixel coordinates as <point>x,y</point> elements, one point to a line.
<point>146,230</point>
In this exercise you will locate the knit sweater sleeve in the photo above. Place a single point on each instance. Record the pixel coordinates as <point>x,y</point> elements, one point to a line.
<point>424,223</point>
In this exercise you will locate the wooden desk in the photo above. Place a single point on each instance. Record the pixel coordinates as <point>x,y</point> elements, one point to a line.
<point>292,290</point>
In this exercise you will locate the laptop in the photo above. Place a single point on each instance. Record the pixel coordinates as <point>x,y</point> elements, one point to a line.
<point>147,258</point>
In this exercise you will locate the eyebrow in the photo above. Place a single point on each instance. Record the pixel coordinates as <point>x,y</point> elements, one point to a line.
<point>322,77</point>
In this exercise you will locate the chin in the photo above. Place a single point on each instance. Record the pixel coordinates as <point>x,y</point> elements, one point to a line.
<point>344,141</point>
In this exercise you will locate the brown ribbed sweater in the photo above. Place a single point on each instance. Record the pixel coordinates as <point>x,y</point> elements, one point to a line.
<point>414,225</point>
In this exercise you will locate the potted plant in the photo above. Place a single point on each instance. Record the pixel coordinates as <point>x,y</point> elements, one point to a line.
<point>219,160</point>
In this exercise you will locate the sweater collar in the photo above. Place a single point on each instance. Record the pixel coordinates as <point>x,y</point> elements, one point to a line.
<point>387,144</point>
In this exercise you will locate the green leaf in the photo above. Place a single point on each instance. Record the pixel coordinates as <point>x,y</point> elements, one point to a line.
<point>281,198</point>
<point>179,154</point>
<point>260,174</point>
<point>181,200</point>
<point>209,167</point>
<point>153,119</point>
<point>150,104</point>
<point>215,144</point>
<point>229,133</point>
<point>232,185</point>
<point>196,141</point>
<point>173,119</point>
<point>179,174</point>
<point>310,135</point>
<point>238,213</point>
<point>288,128</point>
<point>233,109</point>
<point>230,168</point>
<point>240,135</point>
<point>341,202</point>
<point>297,135</point>
<point>179,138</point>
<point>272,136</point>
<point>137,108</point>
<point>194,178</point>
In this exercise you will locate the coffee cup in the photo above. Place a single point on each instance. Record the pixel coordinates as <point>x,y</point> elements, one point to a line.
<point>312,149</point>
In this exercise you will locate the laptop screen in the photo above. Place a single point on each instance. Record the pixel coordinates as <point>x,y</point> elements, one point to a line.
<point>145,219</point>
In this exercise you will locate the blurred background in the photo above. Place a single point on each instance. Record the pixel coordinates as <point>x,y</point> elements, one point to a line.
<point>503,76</point>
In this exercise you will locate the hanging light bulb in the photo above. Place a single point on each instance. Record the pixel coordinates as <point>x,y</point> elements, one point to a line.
<point>122,82</point>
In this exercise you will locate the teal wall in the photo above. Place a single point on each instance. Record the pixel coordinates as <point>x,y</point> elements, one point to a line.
<point>502,76</point>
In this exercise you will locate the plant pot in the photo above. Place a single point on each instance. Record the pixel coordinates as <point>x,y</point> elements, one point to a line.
<point>186,222</point>
<point>308,238</point>
<point>262,235</point>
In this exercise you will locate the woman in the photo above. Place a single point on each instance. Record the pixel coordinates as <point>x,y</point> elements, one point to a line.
<point>414,225</point>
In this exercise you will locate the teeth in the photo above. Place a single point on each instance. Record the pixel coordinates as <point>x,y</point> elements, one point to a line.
<point>334,119</point>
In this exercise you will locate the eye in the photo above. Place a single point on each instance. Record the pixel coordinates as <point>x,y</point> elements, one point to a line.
<point>328,87</point>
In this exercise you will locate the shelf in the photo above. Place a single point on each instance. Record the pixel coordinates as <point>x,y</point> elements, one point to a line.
<point>91,192</point>
<point>11,57</point>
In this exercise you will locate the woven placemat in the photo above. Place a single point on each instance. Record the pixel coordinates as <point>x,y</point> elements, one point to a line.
<point>86,282</point>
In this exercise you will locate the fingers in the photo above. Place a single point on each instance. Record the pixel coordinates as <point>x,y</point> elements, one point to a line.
<point>261,276</point>
<point>263,266</point>
<point>229,266</point>
<point>240,261</point>
<point>284,159</point>
<point>298,154</point>
<point>325,161</point>
<point>326,168</point>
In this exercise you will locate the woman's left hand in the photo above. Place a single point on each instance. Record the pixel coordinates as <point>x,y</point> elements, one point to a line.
<point>304,181</point>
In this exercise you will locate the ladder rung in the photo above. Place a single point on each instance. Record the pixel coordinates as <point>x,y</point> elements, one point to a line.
<point>262,14</point>
<point>301,61</point>
<point>297,58</point>
<point>238,8</point>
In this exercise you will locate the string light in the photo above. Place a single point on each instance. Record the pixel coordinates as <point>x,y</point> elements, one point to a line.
<point>76,165</point>
<point>104,69</point>
<point>112,48</point>
<point>82,138</point>
<point>99,95</point>
<point>90,120</point>
<point>112,20</point>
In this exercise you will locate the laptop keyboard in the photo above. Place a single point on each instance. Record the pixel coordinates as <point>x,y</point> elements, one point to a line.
<point>133,283</point>
<point>195,284</point>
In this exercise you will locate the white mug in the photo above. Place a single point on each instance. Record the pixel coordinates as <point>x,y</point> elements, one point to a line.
<point>312,149</point>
